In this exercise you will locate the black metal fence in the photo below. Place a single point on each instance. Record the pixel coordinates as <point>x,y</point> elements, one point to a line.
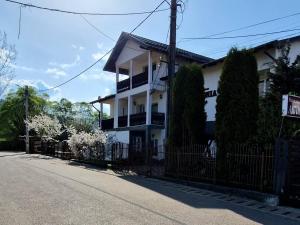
<point>245,166</point>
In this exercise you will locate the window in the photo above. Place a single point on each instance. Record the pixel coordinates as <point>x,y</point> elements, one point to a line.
<point>264,82</point>
<point>154,107</point>
<point>153,67</point>
<point>141,108</point>
<point>154,144</point>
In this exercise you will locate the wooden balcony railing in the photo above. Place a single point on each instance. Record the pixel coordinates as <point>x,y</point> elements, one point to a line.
<point>135,120</point>
<point>137,80</point>
<point>122,121</point>
<point>123,85</point>
<point>107,124</point>
<point>140,119</point>
<point>158,118</point>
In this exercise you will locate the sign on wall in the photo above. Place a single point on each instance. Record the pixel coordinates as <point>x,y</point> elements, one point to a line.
<point>291,106</point>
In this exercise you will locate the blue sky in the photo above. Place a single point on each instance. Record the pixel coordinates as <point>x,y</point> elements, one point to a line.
<point>53,46</point>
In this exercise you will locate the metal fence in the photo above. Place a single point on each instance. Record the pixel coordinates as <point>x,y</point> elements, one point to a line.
<point>245,166</point>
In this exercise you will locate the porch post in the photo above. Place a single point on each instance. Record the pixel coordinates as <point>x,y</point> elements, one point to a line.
<point>149,68</point>
<point>117,78</point>
<point>116,113</point>
<point>148,107</point>
<point>129,110</point>
<point>101,114</point>
<point>131,73</point>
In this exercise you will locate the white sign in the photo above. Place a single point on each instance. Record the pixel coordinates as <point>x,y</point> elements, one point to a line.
<point>291,106</point>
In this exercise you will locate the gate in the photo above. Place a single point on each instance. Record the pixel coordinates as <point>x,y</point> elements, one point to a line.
<point>292,190</point>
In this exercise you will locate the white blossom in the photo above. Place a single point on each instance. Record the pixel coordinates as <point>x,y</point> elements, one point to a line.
<point>46,127</point>
<point>81,143</point>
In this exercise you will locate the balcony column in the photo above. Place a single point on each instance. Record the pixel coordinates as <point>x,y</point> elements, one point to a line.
<point>129,110</point>
<point>148,107</point>
<point>117,78</point>
<point>101,114</point>
<point>116,113</point>
<point>149,68</point>
<point>130,73</point>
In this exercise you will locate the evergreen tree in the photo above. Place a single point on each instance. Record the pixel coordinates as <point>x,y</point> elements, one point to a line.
<point>237,102</point>
<point>188,115</point>
<point>194,114</point>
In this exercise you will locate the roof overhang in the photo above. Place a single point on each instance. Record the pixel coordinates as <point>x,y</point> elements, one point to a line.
<point>148,44</point>
<point>104,99</point>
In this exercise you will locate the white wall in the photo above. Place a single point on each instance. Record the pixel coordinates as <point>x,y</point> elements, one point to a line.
<point>211,81</point>
<point>120,136</point>
<point>212,74</point>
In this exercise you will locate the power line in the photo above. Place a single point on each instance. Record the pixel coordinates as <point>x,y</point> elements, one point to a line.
<point>222,48</point>
<point>256,43</point>
<point>240,36</point>
<point>108,52</point>
<point>83,13</point>
<point>96,28</point>
<point>252,25</point>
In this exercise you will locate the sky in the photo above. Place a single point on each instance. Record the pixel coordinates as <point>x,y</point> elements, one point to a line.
<point>53,47</point>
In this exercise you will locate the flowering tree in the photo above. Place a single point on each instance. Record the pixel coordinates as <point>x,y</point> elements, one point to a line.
<point>82,143</point>
<point>46,127</point>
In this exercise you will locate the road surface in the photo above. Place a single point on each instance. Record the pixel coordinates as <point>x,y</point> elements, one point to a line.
<point>38,190</point>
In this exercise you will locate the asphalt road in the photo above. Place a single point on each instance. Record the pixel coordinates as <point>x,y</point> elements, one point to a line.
<point>36,190</point>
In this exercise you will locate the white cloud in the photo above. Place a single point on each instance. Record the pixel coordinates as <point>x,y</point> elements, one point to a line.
<point>98,76</point>
<point>54,94</point>
<point>100,45</point>
<point>99,55</point>
<point>66,65</point>
<point>25,68</point>
<point>80,48</point>
<point>56,72</point>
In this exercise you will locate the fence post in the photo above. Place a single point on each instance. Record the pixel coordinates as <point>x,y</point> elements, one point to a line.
<point>262,171</point>
<point>280,165</point>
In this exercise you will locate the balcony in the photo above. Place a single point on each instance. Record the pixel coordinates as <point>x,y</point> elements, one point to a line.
<point>158,118</point>
<point>122,121</point>
<point>140,119</point>
<point>137,80</point>
<point>107,124</point>
<point>135,120</point>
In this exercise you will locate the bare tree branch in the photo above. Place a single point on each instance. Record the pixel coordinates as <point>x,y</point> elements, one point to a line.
<point>7,59</point>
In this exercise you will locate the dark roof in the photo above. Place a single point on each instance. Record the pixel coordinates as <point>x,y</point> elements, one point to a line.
<point>103,99</point>
<point>267,45</point>
<point>149,44</point>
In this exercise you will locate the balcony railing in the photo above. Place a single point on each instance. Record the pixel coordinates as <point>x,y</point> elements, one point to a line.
<point>158,118</point>
<point>122,121</point>
<point>107,124</point>
<point>123,85</point>
<point>135,120</point>
<point>140,119</point>
<point>137,80</point>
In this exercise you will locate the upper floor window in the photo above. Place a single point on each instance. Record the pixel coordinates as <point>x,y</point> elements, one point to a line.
<point>264,82</point>
<point>141,108</point>
<point>154,107</point>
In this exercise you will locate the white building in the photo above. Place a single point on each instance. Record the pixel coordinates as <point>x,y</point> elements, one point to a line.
<point>138,109</point>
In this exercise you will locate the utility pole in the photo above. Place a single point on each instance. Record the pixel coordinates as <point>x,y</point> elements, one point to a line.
<point>171,63</point>
<point>26,118</point>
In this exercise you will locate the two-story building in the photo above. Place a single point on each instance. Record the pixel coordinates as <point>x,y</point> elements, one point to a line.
<point>138,109</point>
<point>137,112</point>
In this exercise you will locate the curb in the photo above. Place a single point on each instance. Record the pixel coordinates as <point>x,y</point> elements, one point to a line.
<point>267,199</point>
